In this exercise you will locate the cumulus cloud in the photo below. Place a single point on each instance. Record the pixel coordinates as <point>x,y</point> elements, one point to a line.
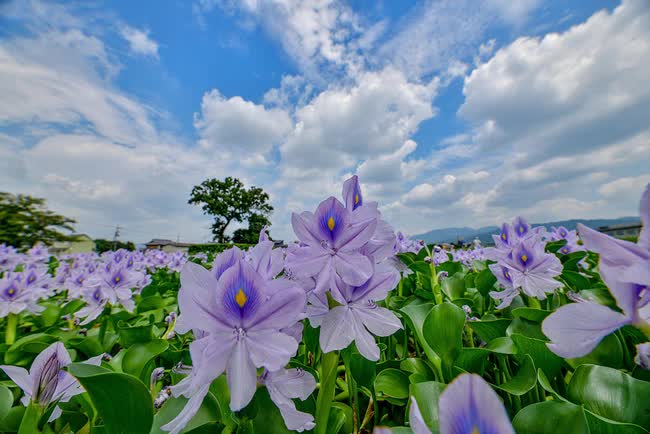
<point>139,41</point>
<point>234,123</point>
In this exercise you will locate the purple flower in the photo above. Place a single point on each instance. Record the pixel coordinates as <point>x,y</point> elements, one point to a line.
<point>95,300</point>
<point>467,405</point>
<point>285,385</point>
<point>47,382</point>
<point>237,321</point>
<point>530,269</point>
<point>38,253</point>
<point>642,357</point>
<point>16,296</point>
<point>9,258</point>
<point>331,247</point>
<point>576,329</point>
<point>116,283</point>
<point>357,317</point>
<point>352,193</point>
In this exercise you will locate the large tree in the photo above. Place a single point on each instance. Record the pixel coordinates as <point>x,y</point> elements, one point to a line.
<point>25,220</point>
<point>229,201</point>
<point>251,234</point>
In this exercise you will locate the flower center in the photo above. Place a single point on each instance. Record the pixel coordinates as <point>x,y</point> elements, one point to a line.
<point>331,223</point>
<point>241,298</point>
<point>524,258</point>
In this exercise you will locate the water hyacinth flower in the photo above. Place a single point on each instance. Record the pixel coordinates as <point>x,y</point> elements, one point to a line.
<point>116,283</point>
<point>331,243</point>
<point>95,300</point>
<point>16,296</point>
<point>468,405</point>
<point>285,385</point>
<point>9,258</point>
<point>237,321</point>
<point>531,270</point>
<point>576,329</point>
<point>357,317</point>
<point>47,382</point>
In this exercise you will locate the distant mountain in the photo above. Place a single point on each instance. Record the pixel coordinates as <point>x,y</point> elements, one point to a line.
<point>451,235</point>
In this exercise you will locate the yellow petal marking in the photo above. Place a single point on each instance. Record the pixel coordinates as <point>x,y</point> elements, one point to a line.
<point>331,223</point>
<point>241,298</point>
<point>356,199</point>
<point>524,258</point>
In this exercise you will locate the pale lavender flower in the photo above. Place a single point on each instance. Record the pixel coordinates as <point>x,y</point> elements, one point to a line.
<point>283,386</point>
<point>332,243</point>
<point>531,270</point>
<point>116,283</point>
<point>467,405</point>
<point>16,297</point>
<point>95,300</point>
<point>47,382</point>
<point>237,324</point>
<point>38,253</point>
<point>642,357</point>
<point>357,317</point>
<point>9,258</point>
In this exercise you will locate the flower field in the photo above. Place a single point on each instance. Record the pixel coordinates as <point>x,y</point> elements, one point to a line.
<point>354,328</point>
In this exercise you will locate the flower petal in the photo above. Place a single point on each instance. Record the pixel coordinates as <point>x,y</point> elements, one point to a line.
<point>468,404</point>
<point>575,329</point>
<point>305,229</point>
<point>644,236</point>
<point>192,407</point>
<point>282,310</point>
<point>364,341</point>
<point>241,376</point>
<point>20,376</point>
<point>379,320</point>
<point>354,268</point>
<point>270,349</point>
<point>337,330</point>
<point>416,420</point>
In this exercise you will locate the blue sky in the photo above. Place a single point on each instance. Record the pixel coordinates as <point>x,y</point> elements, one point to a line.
<point>452,112</point>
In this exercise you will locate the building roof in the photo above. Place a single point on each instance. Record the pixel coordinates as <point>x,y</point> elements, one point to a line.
<point>619,227</point>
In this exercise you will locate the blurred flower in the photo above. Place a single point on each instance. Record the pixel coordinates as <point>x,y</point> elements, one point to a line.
<point>16,296</point>
<point>47,382</point>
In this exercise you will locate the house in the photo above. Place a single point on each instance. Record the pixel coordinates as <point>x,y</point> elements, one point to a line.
<point>81,244</point>
<point>168,245</point>
<point>624,230</point>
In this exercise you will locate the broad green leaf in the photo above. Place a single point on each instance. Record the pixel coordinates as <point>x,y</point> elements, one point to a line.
<point>138,355</point>
<point>267,418</point>
<point>473,360</point>
<point>523,381</point>
<point>363,370</point>
<point>421,267</point>
<point>417,366</point>
<point>601,425</point>
<point>122,401</point>
<point>490,329</point>
<point>23,351</point>
<point>443,331</point>
<point>341,419</point>
<point>6,401</point>
<point>130,335</point>
<point>454,286</point>
<point>485,281</point>
<point>611,394</point>
<point>526,328</point>
<point>502,345</point>
<point>208,412</point>
<point>539,352</point>
<point>536,315</point>
<point>12,419</point>
<point>417,313</point>
<point>576,280</point>
<point>392,383</point>
<point>427,396</point>
<point>608,353</point>
<point>551,417</point>
<point>450,267</point>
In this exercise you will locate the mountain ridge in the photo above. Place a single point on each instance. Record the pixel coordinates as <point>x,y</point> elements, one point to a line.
<point>451,235</point>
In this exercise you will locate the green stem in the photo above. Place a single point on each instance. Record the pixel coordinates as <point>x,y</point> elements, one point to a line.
<point>534,303</point>
<point>29,424</point>
<point>399,288</point>
<point>353,398</point>
<point>328,365</point>
<point>10,333</point>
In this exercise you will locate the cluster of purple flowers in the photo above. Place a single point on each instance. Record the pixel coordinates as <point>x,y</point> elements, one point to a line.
<point>468,256</point>
<point>522,263</point>
<point>576,329</point>
<point>99,280</point>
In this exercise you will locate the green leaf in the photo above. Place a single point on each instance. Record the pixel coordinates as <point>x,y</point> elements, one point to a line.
<point>576,280</point>
<point>539,352</point>
<point>427,396</point>
<point>450,267</point>
<point>327,377</point>
<point>417,313</point>
<point>523,381</point>
<point>551,417</point>
<point>392,383</point>
<point>26,348</point>
<point>526,328</point>
<point>611,394</point>
<point>485,281</point>
<point>11,421</point>
<point>208,412</point>
<point>341,419</point>
<point>502,345</point>
<point>122,401</point>
<point>472,360</point>
<point>454,286</point>
<point>490,329</point>
<point>138,355</point>
<point>363,370</point>
<point>268,418</point>
<point>608,353</point>
<point>130,335</point>
<point>6,401</point>
<point>601,425</point>
<point>443,331</point>
<point>421,267</point>
<point>536,315</point>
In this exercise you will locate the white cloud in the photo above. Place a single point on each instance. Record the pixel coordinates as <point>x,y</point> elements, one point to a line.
<point>514,12</point>
<point>234,123</point>
<point>139,41</point>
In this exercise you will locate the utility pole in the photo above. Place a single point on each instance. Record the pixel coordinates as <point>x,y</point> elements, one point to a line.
<point>115,236</point>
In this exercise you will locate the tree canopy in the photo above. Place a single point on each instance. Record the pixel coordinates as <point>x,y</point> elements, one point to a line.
<point>26,220</point>
<point>229,200</point>
<point>250,235</point>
